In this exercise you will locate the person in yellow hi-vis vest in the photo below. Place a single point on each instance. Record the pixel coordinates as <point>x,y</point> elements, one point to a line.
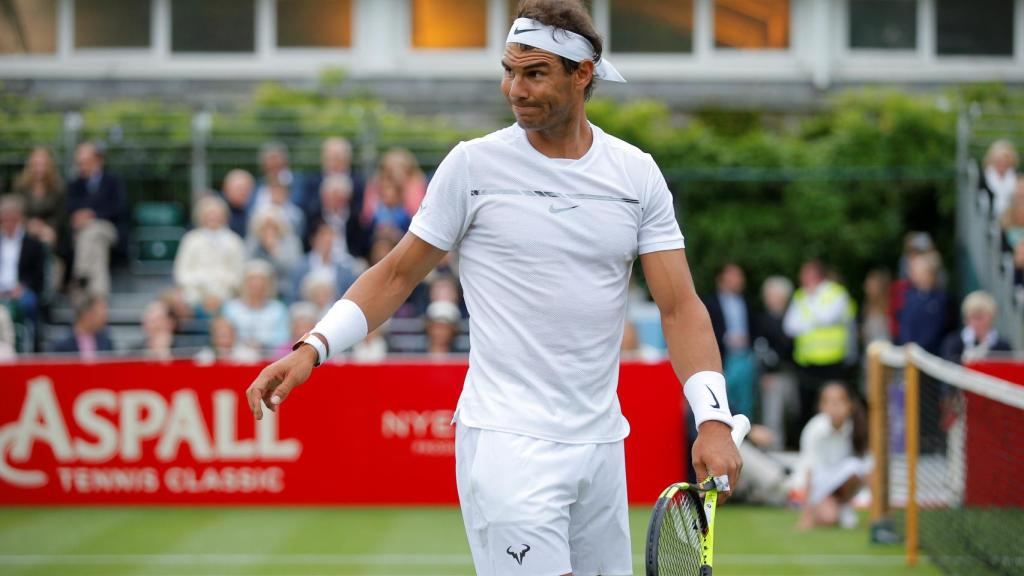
<point>818,320</point>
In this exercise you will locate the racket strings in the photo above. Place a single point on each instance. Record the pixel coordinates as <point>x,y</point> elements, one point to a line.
<point>681,537</point>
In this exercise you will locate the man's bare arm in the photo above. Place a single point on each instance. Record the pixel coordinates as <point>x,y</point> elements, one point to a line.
<point>378,292</point>
<point>691,348</point>
<point>383,288</point>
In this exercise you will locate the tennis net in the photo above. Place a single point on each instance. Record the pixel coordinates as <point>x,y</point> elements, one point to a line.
<point>948,444</point>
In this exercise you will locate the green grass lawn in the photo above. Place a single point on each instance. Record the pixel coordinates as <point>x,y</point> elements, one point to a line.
<point>371,541</point>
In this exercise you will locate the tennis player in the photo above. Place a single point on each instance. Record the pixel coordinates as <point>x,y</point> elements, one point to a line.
<point>549,215</point>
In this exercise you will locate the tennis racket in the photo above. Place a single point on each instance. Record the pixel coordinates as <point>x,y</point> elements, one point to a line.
<point>681,535</point>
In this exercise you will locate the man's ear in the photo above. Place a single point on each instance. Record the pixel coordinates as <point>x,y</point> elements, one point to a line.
<point>584,74</point>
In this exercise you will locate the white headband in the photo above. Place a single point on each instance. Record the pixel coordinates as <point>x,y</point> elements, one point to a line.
<point>561,42</point>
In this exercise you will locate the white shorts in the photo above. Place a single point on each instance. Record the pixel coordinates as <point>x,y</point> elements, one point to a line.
<point>539,508</point>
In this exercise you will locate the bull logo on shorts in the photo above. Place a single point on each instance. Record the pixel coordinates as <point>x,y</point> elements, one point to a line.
<point>518,556</point>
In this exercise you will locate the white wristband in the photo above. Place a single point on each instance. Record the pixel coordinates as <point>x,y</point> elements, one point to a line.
<point>705,393</point>
<point>318,345</point>
<point>343,326</point>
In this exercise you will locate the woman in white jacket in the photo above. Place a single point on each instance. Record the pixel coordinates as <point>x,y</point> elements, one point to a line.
<point>211,256</point>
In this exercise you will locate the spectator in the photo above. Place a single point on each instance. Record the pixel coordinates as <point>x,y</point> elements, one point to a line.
<point>390,217</point>
<point>208,266</point>
<point>274,163</point>
<point>335,210</point>
<point>445,288</point>
<point>238,192</point>
<point>831,462</point>
<point>443,319</point>
<point>373,348</point>
<point>380,248</point>
<point>632,348</point>
<point>925,313</point>
<point>22,264</point>
<point>224,345</point>
<point>400,167</point>
<point>335,162</point>
<point>1012,220</point>
<point>88,336</point>
<point>44,195</point>
<point>158,326</point>
<point>924,320</point>
<point>272,238</point>
<point>818,321</point>
<point>914,243</point>
<point>731,321</point>
<point>319,289</point>
<point>303,317</point>
<point>181,310</point>
<point>875,323</point>
<point>978,336</point>
<point>99,209</point>
<point>1001,174</point>
<point>324,256</point>
<point>774,349</point>
<point>8,353</point>
<point>279,197</point>
<point>257,316</point>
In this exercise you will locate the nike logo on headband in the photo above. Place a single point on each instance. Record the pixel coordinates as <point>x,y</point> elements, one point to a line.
<point>518,31</point>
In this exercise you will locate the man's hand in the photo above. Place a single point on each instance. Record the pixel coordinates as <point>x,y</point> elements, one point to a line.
<point>715,454</point>
<point>276,381</point>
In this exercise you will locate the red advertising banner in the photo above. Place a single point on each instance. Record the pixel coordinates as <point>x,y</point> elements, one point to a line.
<point>131,433</point>
<point>993,478</point>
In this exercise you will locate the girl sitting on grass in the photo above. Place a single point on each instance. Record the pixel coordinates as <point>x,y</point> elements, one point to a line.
<point>831,449</point>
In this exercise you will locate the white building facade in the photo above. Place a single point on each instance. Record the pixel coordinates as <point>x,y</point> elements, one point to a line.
<point>808,45</point>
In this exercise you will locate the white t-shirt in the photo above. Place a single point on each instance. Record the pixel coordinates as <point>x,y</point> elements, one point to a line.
<point>546,247</point>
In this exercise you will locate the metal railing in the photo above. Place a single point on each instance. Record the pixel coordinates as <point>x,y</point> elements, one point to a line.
<point>988,265</point>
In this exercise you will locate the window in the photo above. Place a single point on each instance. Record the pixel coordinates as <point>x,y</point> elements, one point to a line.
<point>28,27</point>
<point>314,23</point>
<point>449,23</point>
<point>752,24</point>
<point>213,26</point>
<point>111,24</point>
<point>978,27</point>
<point>883,24</point>
<point>652,25</point>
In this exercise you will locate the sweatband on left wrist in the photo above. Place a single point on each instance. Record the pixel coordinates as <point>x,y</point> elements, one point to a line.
<point>706,396</point>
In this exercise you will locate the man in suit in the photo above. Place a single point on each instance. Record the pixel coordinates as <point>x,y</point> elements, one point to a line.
<point>22,263</point>
<point>88,335</point>
<point>99,208</point>
<point>335,161</point>
<point>732,322</point>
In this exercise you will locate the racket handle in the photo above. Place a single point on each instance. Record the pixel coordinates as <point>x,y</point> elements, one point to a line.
<point>740,428</point>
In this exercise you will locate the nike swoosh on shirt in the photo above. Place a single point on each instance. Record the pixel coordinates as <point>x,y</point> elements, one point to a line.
<point>716,405</point>
<point>519,31</point>
<point>554,210</point>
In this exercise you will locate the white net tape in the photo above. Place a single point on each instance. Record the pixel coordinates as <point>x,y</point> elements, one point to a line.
<point>970,380</point>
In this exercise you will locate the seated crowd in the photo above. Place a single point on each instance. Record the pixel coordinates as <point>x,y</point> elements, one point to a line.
<point>267,255</point>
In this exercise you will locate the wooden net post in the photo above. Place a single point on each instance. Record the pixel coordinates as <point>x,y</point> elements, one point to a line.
<point>878,434</point>
<point>913,436</point>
